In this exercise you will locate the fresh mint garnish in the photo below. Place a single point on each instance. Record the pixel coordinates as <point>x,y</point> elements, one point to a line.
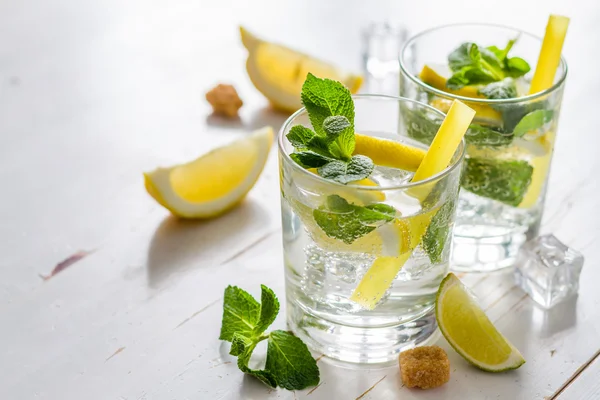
<point>330,145</point>
<point>347,222</point>
<point>289,363</point>
<point>533,121</point>
<point>505,181</point>
<point>473,65</point>
<point>242,347</point>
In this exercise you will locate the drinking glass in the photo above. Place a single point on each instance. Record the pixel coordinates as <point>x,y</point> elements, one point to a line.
<point>330,245</point>
<point>509,145</point>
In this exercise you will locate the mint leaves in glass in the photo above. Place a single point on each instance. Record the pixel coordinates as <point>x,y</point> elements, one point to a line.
<point>510,142</point>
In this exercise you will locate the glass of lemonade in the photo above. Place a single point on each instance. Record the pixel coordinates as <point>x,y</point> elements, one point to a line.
<point>508,146</point>
<point>360,287</point>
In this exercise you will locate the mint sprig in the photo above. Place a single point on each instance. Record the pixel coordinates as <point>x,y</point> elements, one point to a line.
<point>330,146</point>
<point>289,363</point>
<point>473,65</point>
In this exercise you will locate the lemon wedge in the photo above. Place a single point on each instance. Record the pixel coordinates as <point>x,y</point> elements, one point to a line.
<point>213,183</point>
<point>470,332</point>
<point>278,72</point>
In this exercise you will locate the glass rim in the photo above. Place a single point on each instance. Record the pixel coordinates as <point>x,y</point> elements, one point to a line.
<point>440,175</point>
<point>441,93</point>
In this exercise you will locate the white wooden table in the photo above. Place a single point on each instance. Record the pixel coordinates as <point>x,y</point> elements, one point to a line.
<point>92,93</point>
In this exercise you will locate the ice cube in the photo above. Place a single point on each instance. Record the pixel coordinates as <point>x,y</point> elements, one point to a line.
<point>548,270</point>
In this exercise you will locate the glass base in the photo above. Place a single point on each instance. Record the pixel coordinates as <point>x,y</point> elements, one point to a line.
<point>360,344</point>
<point>485,254</point>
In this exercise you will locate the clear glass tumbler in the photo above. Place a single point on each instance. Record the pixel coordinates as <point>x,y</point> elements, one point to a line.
<point>331,245</point>
<point>509,145</point>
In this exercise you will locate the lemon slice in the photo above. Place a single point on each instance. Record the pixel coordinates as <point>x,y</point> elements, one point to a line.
<point>549,57</point>
<point>469,331</point>
<point>213,183</point>
<point>388,153</point>
<point>541,166</point>
<point>278,72</point>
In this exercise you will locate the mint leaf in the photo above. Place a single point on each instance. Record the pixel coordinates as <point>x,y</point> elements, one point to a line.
<point>480,135</point>
<point>504,181</point>
<point>290,362</point>
<point>501,54</point>
<point>335,125</point>
<point>420,125</point>
<point>299,136</point>
<point>383,209</point>
<point>244,347</point>
<point>240,343</point>
<point>504,89</point>
<point>347,222</point>
<point>310,159</point>
<point>516,67</point>
<point>464,55</point>
<point>471,75</point>
<point>240,313</point>
<point>321,145</point>
<point>438,232</point>
<point>269,308</point>
<point>533,121</point>
<point>359,167</point>
<point>325,98</point>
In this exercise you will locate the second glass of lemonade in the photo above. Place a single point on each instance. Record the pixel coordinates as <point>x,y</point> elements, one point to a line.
<point>363,261</point>
<point>509,144</point>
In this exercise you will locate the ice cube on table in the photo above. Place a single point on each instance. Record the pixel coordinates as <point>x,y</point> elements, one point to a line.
<point>548,270</point>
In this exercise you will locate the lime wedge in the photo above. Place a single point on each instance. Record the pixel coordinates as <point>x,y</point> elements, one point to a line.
<point>470,332</point>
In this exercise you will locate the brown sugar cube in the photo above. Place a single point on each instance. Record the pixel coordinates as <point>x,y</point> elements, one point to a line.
<point>424,367</point>
<point>224,100</point>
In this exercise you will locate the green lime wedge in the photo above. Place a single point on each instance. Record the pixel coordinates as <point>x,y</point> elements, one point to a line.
<point>470,332</point>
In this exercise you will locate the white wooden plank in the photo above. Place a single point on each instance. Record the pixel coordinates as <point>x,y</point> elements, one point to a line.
<point>584,384</point>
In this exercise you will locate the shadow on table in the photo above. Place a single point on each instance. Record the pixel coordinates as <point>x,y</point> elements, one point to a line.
<point>179,244</point>
<point>561,317</point>
<point>259,118</point>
